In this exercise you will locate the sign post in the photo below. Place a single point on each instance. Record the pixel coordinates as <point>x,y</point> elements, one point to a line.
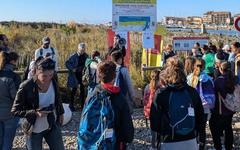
<point>134,15</point>
<point>237,25</point>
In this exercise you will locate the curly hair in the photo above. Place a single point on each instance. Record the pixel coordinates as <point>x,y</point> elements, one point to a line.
<point>174,61</point>
<point>175,75</point>
<point>106,71</point>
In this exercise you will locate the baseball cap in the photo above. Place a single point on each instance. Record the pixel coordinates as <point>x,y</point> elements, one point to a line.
<point>226,47</point>
<point>46,40</point>
<point>81,45</point>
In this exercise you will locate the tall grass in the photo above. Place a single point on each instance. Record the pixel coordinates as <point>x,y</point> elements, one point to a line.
<point>26,38</point>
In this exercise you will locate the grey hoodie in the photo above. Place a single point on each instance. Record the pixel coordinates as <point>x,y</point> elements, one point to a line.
<point>9,82</point>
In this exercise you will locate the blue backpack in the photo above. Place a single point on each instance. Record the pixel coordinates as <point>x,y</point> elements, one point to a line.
<point>181,113</point>
<point>96,129</point>
<point>120,82</point>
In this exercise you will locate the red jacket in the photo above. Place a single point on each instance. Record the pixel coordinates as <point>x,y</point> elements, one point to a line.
<point>148,100</point>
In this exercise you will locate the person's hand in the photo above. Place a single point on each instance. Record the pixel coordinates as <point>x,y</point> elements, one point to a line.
<point>61,119</point>
<point>41,114</point>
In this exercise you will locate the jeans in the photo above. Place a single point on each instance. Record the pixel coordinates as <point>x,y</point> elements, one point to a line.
<point>53,138</point>
<point>218,124</point>
<point>7,133</point>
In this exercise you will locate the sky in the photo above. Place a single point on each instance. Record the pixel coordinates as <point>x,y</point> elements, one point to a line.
<point>100,11</point>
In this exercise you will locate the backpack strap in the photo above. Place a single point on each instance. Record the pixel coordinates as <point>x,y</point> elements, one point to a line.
<point>220,103</point>
<point>41,51</point>
<point>52,49</point>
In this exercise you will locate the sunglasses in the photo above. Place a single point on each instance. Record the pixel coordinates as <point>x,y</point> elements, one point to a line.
<point>199,65</point>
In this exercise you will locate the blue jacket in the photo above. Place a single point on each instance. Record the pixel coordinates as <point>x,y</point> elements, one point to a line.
<point>71,64</point>
<point>208,94</point>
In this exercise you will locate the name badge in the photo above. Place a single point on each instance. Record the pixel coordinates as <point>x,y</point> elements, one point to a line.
<point>108,133</point>
<point>191,112</point>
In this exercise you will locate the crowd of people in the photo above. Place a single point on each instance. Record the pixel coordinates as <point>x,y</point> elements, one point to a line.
<point>186,94</point>
<point>180,99</point>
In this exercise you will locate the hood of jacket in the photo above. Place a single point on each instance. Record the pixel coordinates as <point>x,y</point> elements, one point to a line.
<point>9,67</point>
<point>203,77</point>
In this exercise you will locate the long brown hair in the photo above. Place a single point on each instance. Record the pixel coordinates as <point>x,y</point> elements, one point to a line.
<point>189,65</point>
<point>154,80</point>
<point>199,65</point>
<point>3,59</point>
<point>230,79</point>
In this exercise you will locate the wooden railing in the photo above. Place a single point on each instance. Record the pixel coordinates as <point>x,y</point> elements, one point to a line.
<point>61,71</point>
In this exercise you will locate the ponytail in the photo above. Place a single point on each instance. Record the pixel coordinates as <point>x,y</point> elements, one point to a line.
<point>154,80</point>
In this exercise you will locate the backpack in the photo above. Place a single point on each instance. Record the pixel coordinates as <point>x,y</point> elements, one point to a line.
<point>89,79</point>
<point>52,49</point>
<point>27,69</point>
<point>96,129</point>
<point>181,116</point>
<point>208,100</point>
<point>232,101</point>
<point>120,82</point>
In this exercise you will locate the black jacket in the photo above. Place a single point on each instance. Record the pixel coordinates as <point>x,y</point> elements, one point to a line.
<point>123,120</point>
<point>167,55</point>
<point>27,101</point>
<point>116,48</point>
<point>159,113</point>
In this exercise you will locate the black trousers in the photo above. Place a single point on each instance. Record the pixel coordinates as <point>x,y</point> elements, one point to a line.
<point>203,134</point>
<point>82,92</point>
<point>218,125</point>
